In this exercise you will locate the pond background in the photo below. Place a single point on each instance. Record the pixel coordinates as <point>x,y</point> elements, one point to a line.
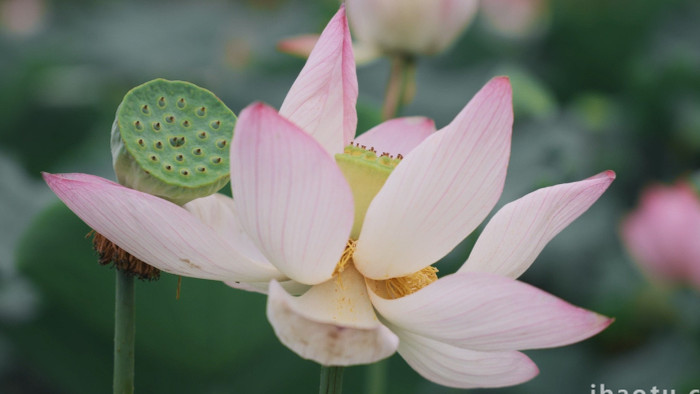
<point>598,85</point>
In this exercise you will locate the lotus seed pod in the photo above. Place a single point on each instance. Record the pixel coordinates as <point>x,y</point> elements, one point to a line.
<point>366,171</point>
<point>171,139</point>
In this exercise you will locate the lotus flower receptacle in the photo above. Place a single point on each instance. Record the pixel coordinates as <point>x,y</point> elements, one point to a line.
<point>366,171</point>
<point>171,139</point>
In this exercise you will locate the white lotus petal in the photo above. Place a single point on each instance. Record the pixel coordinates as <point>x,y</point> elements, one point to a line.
<point>333,323</point>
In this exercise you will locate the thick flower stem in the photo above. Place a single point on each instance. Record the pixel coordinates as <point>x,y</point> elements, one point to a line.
<point>331,380</point>
<point>124,334</point>
<point>401,86</point>
<point>376,377</point>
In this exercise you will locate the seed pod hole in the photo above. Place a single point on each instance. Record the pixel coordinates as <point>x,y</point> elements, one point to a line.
<point>145,109</point>
<point>170,119</point>
<point>156,126</point>
<point>179,157</point>
<point>159,145</point>
<point>202,111</point>
<point>216,160</point>
<point>138,125</point>
<point>177,142</point>
<point>201,169</point>
<point>184,172</point>
<point>215,125</point>
<point>202,135</point>
<point>141,142</point>
<point>197,152</point>
<point>161,102</point>
<point>154,158</point>
<point>221,144</point>
<point>168,167</point>
<point>186,123</point>
<point>181,103</point>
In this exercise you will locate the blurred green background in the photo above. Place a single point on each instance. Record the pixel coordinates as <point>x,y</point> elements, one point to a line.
<point>598,85</point>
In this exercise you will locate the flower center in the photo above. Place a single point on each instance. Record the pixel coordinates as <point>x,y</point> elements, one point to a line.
<point>345,258</point>
<point>391,288</point>
<point>366,172</point>
<point>409,284</point>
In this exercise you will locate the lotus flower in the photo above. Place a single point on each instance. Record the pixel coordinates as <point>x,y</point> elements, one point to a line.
<point>397,27</point>
<point>356,231</point>
<point>663,233</point>
<point>413,27</point>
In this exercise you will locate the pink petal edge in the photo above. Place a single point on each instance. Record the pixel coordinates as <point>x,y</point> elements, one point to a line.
<point>292,199</point>
<point>154,230</point>
<point>441,191</point>
<point>519,231</point>
<point>322,99</point>
<point>482,311</point>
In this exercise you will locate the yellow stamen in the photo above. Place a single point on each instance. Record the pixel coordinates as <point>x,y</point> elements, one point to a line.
<point>345,258</point>
<point>405,285</point>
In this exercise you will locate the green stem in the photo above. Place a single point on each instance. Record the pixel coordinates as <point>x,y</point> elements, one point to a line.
<point>124,334</point>
<point>376,377</point>
<point>401,86</point>
<point>331,380</point>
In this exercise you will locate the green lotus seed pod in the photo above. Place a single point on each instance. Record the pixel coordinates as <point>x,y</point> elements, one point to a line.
<point>171,139</point>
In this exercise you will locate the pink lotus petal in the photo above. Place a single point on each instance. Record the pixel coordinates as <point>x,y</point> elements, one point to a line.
<point>154,230</point>
<point>440,192</point>
<point>482,311</point>
<point>300,46</point>
<point>332,324</point>
<point>397,136</point>
<point>322,99</point>
<point>292,199</point>
<point>219,213</point>
<point>663,234</point>
<point>453,366</point>
<point>518,232</point>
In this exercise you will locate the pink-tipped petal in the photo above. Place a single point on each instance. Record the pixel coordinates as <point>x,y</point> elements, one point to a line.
<point>453,366</point>
<point>156,231</point>
<point>440,192</point>
<point>519,231</point>
<point>323,97</point>
<point>397,136</point>
<point>333,323</point>
<point>487,312</point>
<point>300,46</point>
<point>292,199</point>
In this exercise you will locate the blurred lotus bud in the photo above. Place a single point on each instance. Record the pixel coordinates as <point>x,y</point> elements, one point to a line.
<point>409,27</point>
<point>22,17</point>
<point>663,233</point>
<point>516,18</point>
